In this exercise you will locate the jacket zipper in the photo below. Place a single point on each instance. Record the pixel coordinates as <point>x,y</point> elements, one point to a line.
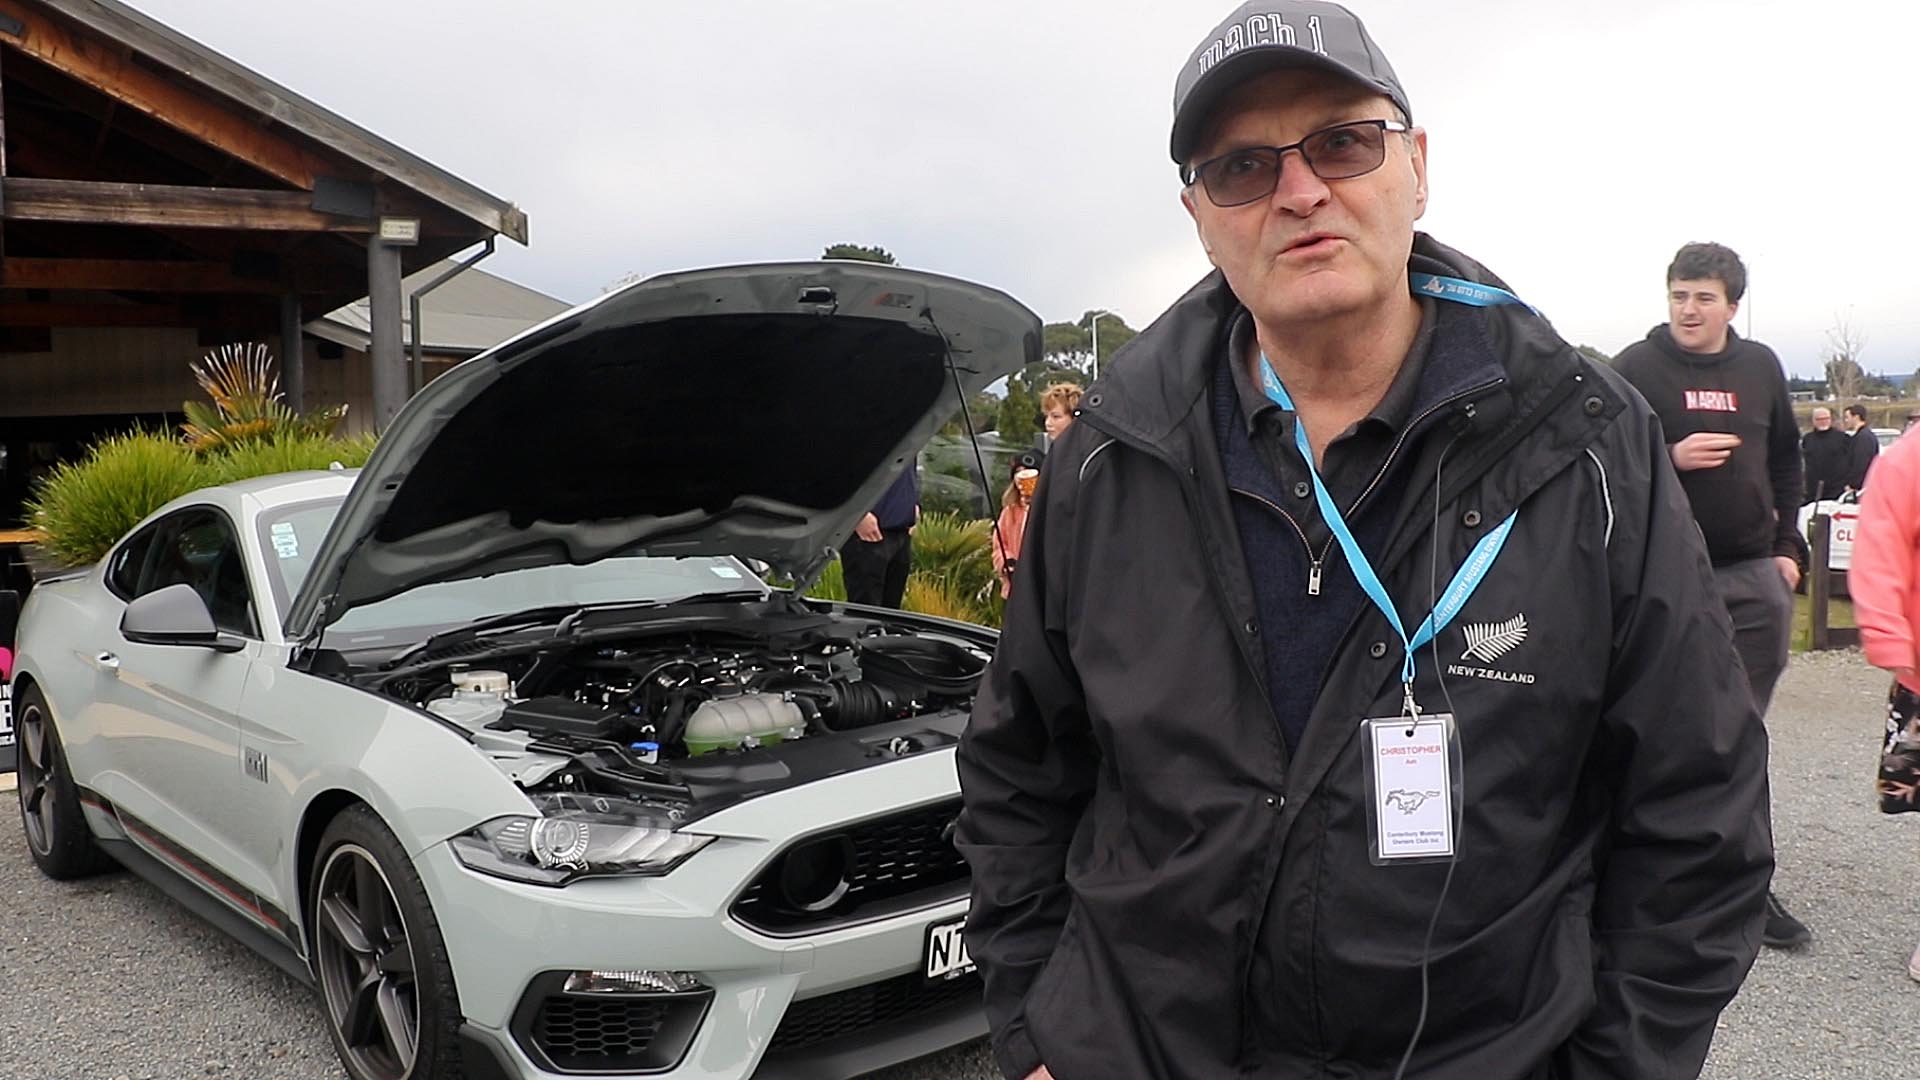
<point>1317,563</point>
<point>1408,429</point>
<point>1314,562</point>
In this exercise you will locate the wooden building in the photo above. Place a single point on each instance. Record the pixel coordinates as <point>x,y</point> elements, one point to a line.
<point>466,315</point>
<point>158,200</point>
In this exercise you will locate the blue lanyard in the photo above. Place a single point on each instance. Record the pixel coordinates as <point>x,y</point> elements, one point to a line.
<point>1462,292</point>
<point>1479,561</point>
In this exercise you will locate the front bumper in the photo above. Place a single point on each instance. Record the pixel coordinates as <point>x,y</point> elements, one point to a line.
<point>852,997</point>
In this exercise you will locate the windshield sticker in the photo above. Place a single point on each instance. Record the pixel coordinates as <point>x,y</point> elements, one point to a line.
<point>285,543</point>
<point>724,571</point>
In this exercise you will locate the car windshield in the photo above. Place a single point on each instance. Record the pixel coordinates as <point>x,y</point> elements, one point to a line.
<point>290,536</point>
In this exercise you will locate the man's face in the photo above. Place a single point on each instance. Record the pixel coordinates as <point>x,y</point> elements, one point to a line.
<point>1314,249</point>
<point>1698,313</point>
<point>1822,419</point>
<point>1851,422</point>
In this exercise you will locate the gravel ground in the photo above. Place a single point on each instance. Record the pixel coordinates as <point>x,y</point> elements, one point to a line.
<point>109,979</point>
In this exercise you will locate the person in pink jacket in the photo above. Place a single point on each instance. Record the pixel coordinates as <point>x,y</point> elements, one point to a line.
<point>1884,581</point>
<point>1023,474</point>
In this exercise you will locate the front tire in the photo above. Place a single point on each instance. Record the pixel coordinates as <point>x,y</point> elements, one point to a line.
<point>57,835</point>
<point>391,1006</point>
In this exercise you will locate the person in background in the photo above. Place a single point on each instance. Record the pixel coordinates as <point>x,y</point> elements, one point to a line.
<point>1057,405</point>
<point>1723,401</point>
<point>1862,447</point>
<point>1886,606</point>
<point>1823,455</point>
<point>1023,473</point>
<point>879,555</point>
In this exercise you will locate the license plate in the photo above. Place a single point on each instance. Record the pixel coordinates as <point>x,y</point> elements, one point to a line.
<point>946,955</point>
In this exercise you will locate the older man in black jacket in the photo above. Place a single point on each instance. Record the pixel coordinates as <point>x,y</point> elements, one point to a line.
<point>1823,454</point>
<point>1365,709</point>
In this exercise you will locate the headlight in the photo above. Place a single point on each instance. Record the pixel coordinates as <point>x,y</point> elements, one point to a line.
<point>574,837</point>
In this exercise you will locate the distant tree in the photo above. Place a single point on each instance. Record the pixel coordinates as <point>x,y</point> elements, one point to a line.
<point>1019,413</point>
<point>1069,345</point>
<point>861,252</point>
<point>983,410</point>
<point>1065,344</point>
<point>1845,343</point>
<point>1879,384</point>
<point>1845,377</point>
<point>1593,354</point>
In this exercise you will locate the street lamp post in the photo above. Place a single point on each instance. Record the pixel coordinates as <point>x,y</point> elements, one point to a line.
<point>1093,324</point>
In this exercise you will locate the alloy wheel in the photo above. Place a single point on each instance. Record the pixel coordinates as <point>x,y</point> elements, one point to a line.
<point>365,962</point>
<point>36,776</point>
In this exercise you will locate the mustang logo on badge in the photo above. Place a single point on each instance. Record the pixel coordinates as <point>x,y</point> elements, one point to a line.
<point>1409,801</point>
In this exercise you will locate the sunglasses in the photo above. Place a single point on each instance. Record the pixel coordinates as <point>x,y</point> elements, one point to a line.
<point>1341,152</point>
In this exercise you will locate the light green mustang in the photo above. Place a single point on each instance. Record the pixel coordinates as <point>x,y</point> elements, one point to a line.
<point>502,742</point>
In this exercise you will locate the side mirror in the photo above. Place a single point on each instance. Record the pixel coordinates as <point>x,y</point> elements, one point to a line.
<point>174,615</point>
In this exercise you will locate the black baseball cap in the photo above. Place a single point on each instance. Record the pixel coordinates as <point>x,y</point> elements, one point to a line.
<point>1269,35</point>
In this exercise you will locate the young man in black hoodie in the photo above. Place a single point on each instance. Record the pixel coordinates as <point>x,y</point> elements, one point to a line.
<point>1731,435</point>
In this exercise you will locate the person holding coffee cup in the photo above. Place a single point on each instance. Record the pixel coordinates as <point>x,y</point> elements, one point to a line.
<point>1024,474</point>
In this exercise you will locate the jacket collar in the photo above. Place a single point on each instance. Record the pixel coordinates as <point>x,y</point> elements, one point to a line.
<point>1160,381</point>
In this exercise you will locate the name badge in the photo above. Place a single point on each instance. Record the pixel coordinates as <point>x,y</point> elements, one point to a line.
<point>1411,794</point>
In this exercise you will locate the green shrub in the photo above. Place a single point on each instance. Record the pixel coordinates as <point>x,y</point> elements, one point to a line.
<point>930,594</point>
<point>83,507</point>
<point>955,550</point>
<point>285,452</point>
<point>832,584</point>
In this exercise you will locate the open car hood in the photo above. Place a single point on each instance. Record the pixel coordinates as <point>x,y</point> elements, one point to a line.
<point>755,411</point>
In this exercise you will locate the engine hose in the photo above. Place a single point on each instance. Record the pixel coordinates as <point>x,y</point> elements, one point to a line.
<point>942,667</point>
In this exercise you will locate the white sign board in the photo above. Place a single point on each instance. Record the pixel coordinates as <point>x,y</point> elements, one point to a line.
<point>1846,518</point>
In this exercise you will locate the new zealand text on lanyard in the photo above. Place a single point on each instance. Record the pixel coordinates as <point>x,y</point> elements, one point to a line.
<point>1479,561</point>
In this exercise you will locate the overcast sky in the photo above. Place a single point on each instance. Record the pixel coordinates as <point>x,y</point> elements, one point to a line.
<point>1022,143</point>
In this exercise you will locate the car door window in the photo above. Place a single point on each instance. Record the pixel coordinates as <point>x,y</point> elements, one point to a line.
<point>123,573</point>
<point>199,548</point>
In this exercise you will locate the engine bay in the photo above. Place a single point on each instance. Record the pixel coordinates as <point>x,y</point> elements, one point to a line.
<point>668,707</point>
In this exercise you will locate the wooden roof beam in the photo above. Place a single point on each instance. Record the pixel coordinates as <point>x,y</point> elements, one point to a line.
<point>166,276</point>
<point>143,315</point>
<point>111,71</point>
<point>161,205</point>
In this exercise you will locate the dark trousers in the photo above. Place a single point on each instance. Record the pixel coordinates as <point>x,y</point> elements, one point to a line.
<point>1761,608</point>
<point>876,573</point>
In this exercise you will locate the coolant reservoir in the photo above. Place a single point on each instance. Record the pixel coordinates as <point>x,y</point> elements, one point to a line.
<point>726,723</point>
<point>483,682</point>
<point>479,697</point>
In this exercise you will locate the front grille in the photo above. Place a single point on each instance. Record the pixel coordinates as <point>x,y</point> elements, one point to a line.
<point>816,1020</point>
<point>580,1033</point>
<point>592,1033</point>
<point>900,862</point>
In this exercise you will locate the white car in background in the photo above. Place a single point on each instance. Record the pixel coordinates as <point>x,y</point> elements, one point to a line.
<point>503,745</point>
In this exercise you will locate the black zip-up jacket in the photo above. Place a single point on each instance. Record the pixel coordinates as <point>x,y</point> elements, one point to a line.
<point>1862,447</point>
<point>1749,507</point>
<point>1139,831</point>
<point>1824,456</point>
